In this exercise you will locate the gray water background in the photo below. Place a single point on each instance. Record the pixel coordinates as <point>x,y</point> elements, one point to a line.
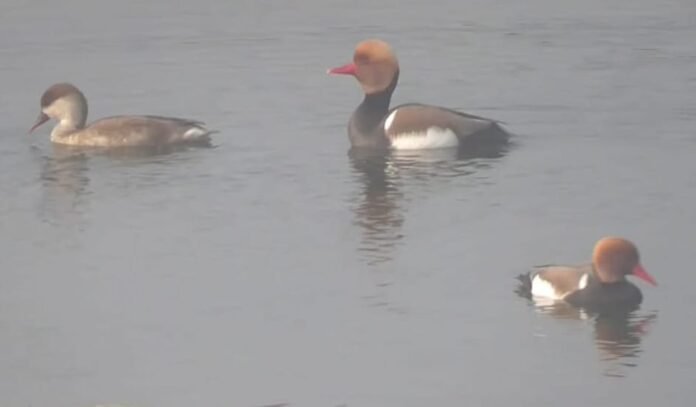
<point>276,268</point>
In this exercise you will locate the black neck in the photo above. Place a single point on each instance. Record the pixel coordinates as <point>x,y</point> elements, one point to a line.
<point>374,107</point>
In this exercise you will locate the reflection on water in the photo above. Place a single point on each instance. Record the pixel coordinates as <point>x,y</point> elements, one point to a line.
<point>618,339</point>
<point>123,153</point>
<point>384,177</point>
<point>64,175</point>
<point>617,332</point>
<point>65,180</point>
<point>378,213</point>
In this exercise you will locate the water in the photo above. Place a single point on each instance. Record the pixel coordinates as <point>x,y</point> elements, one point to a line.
<point>277,268</point>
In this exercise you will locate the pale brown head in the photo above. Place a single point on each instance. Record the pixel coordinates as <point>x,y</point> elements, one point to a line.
<point>614,258</point>
<point>374,66</point>
<point>63,102</point>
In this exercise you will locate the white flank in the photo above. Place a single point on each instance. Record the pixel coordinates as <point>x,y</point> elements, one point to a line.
<point>544,289</point>
<point>389,121</point>
<point>583,282</point>
<point>194,133</point>
<point>434,137</point>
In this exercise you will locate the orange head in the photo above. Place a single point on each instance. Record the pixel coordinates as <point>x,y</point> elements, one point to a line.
<point>614,258</point>
<point>374,66</point>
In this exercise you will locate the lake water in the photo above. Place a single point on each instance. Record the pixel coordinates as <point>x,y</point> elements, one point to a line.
<point>279,269</point>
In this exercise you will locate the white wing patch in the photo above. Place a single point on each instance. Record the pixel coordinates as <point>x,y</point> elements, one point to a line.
<point>194,133</point>
<point>433,137</point>
<point>583,282</point>
<point>544,289</point>
<point>389,121</point>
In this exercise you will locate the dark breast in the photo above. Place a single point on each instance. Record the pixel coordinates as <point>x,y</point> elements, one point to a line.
<point>599,296</point>
<point>365,129</point>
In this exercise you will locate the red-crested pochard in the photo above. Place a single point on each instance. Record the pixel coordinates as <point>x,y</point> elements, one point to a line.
<point>409,126</point>
<point>65,103</point>
<point>598,284</point>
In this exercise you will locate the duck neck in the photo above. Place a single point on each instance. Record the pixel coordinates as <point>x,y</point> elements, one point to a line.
<point>607,280</point>
<point>67,126</point>
<point>374,107</point>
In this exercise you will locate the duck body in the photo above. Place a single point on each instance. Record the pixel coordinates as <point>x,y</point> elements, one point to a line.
<point>134,131</point>
<point>416,126</point>
<point>579,286</point>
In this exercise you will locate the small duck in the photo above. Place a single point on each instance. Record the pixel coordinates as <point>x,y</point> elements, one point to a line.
<point>68,105</point>
<point>596,285</point>
<point>410,126</point>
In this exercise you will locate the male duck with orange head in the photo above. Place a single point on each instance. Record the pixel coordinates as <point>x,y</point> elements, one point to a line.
<point>409,126</point>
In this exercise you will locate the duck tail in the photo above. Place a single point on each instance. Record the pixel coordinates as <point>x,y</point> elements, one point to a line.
<point>524,286</point>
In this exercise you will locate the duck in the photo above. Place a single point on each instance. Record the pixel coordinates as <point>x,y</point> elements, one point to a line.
<point>66,104</point>
<point>598,284</point>
<point>411,126</point>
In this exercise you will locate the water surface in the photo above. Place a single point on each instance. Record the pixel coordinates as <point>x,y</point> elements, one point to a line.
<point>279,268</point>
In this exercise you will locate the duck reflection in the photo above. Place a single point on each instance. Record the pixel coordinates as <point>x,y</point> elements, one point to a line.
<point>121,153</point>
<point>384,176</point>
<point>377,213</point>
<point>618,339</point>
<point>64,175</point>
<point>618,332</point>
<point>65,181</point>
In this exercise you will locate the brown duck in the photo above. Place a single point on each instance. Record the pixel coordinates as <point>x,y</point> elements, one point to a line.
<point>65,103</point>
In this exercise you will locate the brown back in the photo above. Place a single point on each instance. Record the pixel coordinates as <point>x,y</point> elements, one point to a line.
<point>565,279</point>
<point>418,118</point>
